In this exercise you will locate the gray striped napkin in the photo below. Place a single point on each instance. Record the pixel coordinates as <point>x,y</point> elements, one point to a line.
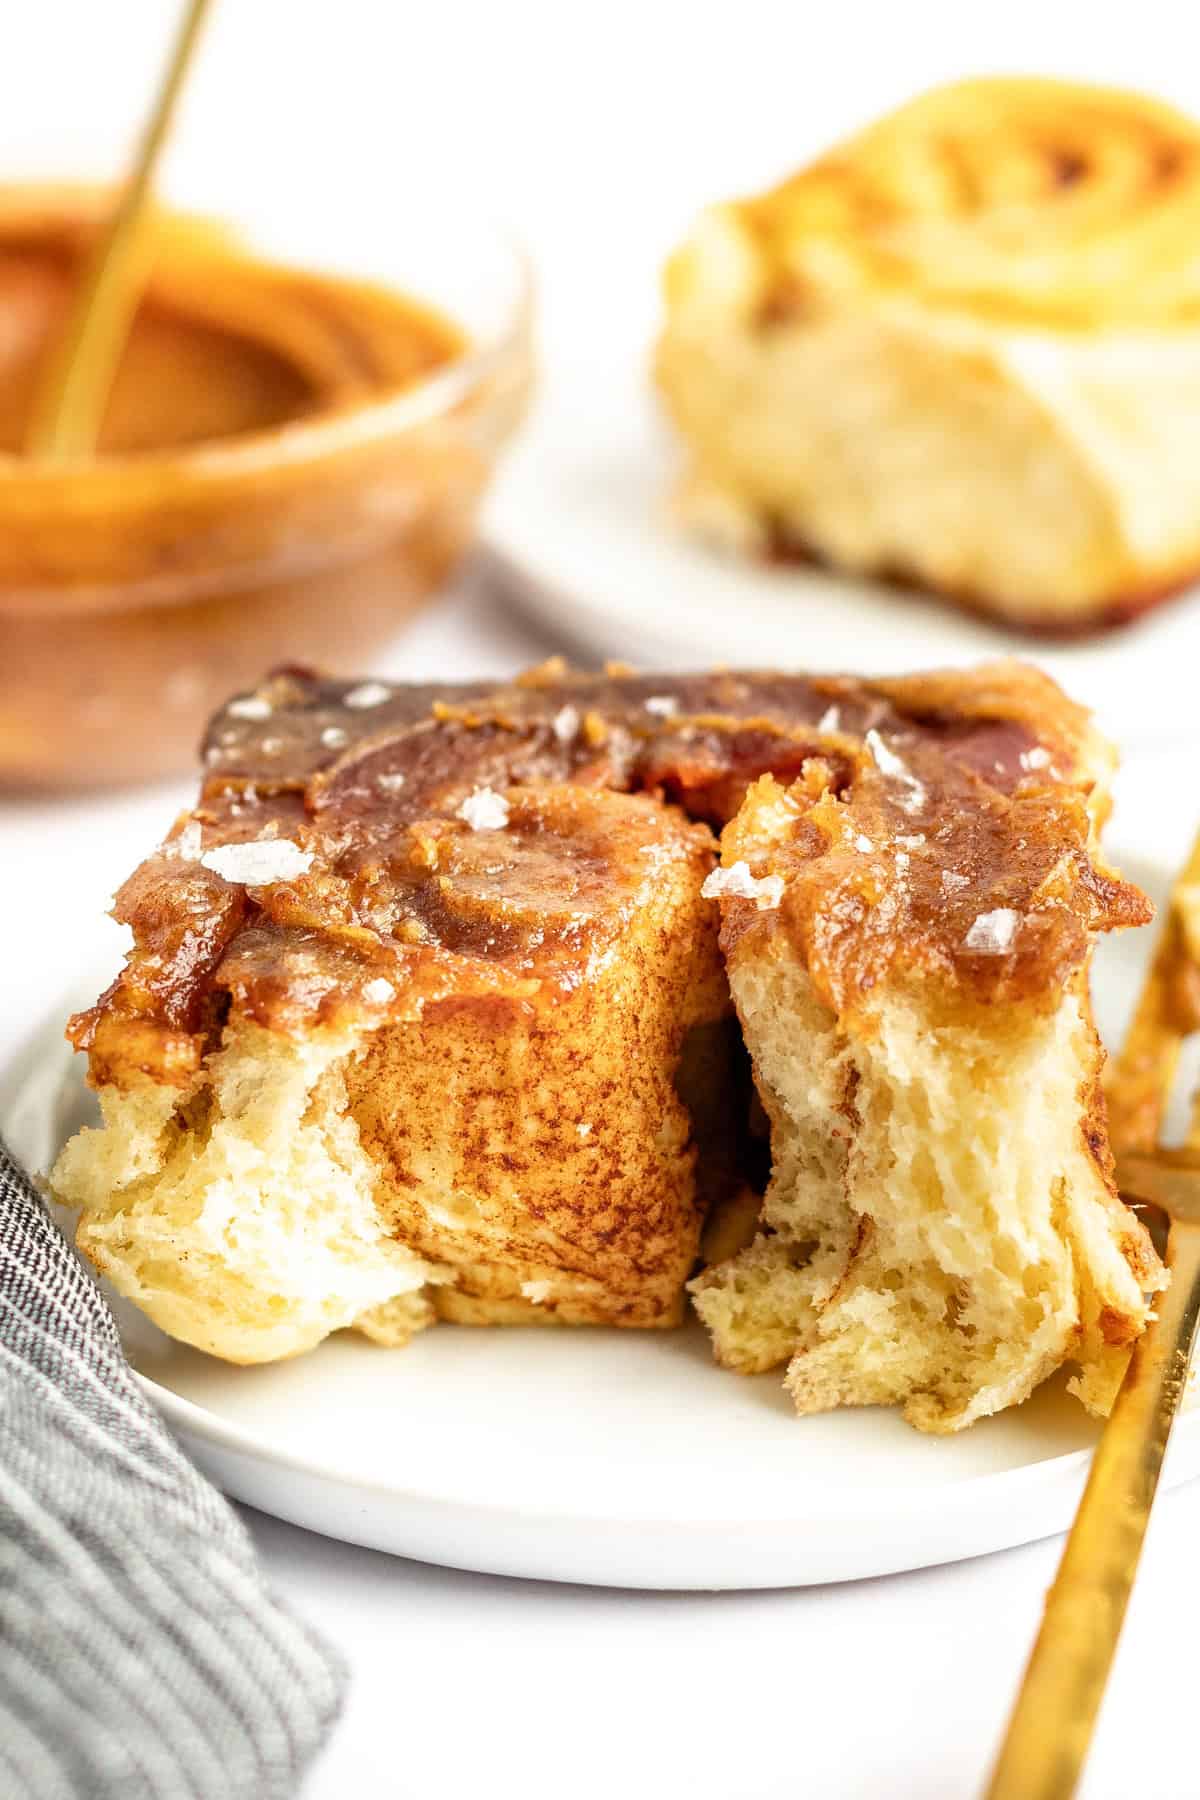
<point>140,1654</point>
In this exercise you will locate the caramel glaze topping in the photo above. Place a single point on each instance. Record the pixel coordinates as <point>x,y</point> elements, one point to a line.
<point>912,810</point>
<point>993,891</point>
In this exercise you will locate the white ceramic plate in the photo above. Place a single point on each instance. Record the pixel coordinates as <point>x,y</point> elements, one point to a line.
<point>579,521</point>
<point>609,1457</point>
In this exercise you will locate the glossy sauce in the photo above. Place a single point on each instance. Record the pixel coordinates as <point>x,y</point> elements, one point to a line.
<point>260,489</point>
<point>978,775</point>
<point>222,344</point>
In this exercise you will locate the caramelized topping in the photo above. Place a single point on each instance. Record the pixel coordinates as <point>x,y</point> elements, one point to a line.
<point>966,856</point>
<point>364,850</point>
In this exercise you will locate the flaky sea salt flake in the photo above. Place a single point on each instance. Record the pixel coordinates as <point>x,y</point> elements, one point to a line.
<point>992,933</point>
<point>951,880</point>
<point>566,724</point>
<point>259,862</point>
<point>1037,758</point>
<point>484,810</point>
<point>390,784</point>
<point>663,706</point>
<point>830,719</point>
<point>912,799</point>
<point>366,694</point>
<point>333,737</point>
<point>379,991</point>
<point>737,882</point>
<point>249,706</point>
<point>190,841</point>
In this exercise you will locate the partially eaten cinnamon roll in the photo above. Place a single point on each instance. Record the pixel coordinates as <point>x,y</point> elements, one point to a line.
<point>427,1016</point>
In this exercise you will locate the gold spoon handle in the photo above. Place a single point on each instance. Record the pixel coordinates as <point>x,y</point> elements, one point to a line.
<point>69,404</point>
<point>1051,1726</point>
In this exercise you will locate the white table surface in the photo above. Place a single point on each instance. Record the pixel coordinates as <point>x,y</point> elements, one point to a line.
<point>466,1685</point>
<point>599,131</point>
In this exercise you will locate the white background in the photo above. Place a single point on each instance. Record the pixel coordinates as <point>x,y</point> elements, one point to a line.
<point>597,131</point>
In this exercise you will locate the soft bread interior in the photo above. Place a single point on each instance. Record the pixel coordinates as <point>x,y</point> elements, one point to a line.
<point>937,1232</point>
<point>877,481</point>
<point>241,1217</point>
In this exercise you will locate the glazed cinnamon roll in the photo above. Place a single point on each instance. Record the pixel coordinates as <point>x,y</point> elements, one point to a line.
<point>962,349</point>
<point>430,1015</point>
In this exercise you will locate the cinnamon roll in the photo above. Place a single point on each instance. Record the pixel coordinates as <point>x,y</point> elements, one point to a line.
<point>961,349</point>
<point>428,1015</point>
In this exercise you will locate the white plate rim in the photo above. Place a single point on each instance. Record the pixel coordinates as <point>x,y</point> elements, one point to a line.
<point>188,1417</point>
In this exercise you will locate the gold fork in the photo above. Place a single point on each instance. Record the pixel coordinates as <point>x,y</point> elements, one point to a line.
<point>1051,1726</point>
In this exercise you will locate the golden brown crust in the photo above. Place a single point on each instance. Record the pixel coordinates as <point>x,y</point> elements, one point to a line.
<point>1105,182</point>
<point>544,1151</point>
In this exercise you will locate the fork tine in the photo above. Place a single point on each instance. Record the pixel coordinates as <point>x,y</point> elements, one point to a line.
<point>1141,1078</point>
<point>1186,903</point>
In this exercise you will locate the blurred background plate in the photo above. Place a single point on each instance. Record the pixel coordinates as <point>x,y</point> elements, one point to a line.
<point>619,1458</point>
<point>581,525</point>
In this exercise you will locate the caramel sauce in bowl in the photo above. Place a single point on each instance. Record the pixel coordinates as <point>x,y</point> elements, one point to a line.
<point>289,463</point>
